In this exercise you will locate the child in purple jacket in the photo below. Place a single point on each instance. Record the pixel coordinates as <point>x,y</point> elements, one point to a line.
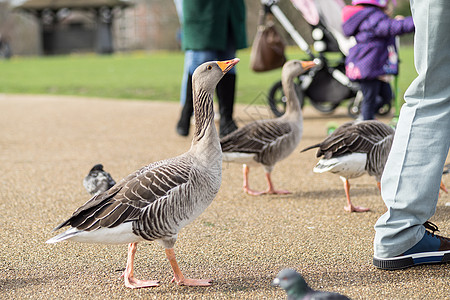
<point>374,57</point>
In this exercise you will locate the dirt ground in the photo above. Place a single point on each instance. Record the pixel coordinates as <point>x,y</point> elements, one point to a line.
<point>49,143</point>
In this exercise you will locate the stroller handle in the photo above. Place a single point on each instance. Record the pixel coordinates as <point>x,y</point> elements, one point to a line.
<point>281,17</point>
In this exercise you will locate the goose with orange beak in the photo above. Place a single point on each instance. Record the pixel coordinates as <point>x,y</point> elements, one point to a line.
<point>265,142</point>
<point>155,202</point>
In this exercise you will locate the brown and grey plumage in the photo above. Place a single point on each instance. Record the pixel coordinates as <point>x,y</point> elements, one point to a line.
<point>157,201</point>
<point>266,142</point>
<point>98,180</point>
<point>353,149</point>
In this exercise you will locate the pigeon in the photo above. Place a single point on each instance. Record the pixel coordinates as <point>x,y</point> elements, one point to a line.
<point>98,180</point>
<point>297,288</point>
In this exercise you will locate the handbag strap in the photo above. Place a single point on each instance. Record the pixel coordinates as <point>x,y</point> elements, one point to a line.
<point>263,13</point>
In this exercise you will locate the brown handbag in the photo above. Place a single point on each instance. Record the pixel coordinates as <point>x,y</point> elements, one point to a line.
<point>268,47</point>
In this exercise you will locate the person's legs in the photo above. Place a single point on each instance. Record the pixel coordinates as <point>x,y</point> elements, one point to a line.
<point>411,178</point>
<point>226,94</point>
<point>369,89</point>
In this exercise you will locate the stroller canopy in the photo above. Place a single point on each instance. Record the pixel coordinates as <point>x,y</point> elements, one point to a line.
<point>324,11</point>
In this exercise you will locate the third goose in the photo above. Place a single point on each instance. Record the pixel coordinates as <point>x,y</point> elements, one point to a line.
<point>353,149</point>
<point>266,142</point>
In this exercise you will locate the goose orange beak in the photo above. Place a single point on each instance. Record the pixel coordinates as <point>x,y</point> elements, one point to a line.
<point>306,65</point>
<point>226,65</point>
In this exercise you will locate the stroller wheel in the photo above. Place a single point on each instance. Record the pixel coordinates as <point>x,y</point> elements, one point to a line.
<point>325,107</point>
<point>277,99</point>
<point>354,105</point>
<point>385,109</point>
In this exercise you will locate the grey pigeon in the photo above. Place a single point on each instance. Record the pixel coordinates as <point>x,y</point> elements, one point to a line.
<point>297,288</point>
<point>98,180</point>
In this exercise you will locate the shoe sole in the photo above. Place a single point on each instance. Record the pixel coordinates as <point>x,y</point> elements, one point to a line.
<point>411,260</point>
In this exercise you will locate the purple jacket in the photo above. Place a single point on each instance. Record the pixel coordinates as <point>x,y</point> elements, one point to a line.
<point>375,53</point>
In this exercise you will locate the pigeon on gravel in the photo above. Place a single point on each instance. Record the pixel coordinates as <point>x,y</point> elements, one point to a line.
<point>297,288</point>
<point>98,180</point>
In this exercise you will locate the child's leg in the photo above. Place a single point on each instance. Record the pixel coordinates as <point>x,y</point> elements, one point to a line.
<point>385,93</point>
<point>369,106</point>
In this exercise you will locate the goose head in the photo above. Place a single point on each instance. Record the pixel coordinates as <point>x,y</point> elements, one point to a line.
<point>204,82</point>
<point>208,74</point>
<point>291,70</point>
<point>294,68</point>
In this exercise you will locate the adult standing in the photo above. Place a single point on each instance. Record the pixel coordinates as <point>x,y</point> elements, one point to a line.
<point>411,178</point>
<point>212,30</point>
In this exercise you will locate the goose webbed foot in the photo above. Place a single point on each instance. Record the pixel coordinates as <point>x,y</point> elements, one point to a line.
<point>352,208</point>
<point>134,283</point>
<point>129,279</point>
<point>179,277</point>
<point>192,282</point>
<point>271,189</point>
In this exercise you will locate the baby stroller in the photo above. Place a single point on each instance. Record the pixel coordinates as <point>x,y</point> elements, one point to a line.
<point>326,85</point>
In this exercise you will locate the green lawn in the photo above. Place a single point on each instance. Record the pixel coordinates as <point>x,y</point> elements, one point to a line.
<point>147,76</point>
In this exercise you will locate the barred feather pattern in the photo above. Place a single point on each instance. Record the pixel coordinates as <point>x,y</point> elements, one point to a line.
<point>264,138</point>
<point>371,137</point>
<point>204,113</point>
<point>158,199</point>
<point>271,140</point>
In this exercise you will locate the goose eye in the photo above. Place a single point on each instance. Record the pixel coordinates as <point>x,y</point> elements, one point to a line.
<point>209,67</point>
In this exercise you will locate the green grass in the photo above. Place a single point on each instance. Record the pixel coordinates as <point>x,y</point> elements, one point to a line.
<point>146,76</point>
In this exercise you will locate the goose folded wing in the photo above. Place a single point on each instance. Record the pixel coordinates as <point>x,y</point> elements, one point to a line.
<point>124,202</point>
<point>255,137</point>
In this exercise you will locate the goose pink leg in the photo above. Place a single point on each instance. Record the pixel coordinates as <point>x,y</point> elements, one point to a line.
<point>130,281</point>
<point>270,189</point>
<point>350,207</point>
<point>178,276</point>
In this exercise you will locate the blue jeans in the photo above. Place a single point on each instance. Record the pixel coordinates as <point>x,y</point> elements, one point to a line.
<point>376,94</point>
<point>413,171</point>
<point>194,58</point>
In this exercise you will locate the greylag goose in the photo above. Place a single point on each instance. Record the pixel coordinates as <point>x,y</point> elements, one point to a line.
<point>266,142</point>
<point>297,289</point>
<point>98,180</point>
<point>155,202</point>
<point>353,149</point>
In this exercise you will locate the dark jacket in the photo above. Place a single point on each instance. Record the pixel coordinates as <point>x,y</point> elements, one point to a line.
<point>375,52</point>
<point>214,24</point>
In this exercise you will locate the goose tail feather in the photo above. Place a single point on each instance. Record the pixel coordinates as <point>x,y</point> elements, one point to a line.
<point>63,236</point>
<point>310,147</point>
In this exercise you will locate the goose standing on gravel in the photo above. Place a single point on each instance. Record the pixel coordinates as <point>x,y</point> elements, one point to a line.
<point>98,180</point>
<point>266,142</point>
<point>155,202</point>
<point>353,149</point>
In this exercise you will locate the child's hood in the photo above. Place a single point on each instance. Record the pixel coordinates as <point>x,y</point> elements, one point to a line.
<point>352,16</point>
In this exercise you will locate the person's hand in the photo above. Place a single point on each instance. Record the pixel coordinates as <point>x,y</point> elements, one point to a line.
<point>399,17</point>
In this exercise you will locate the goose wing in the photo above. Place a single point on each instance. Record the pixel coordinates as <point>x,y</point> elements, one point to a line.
<point>353,137</point>
<point>124,201</point>
<point>258,137</point>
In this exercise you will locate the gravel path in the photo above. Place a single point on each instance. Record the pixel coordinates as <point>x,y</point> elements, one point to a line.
<point>48,144</point>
